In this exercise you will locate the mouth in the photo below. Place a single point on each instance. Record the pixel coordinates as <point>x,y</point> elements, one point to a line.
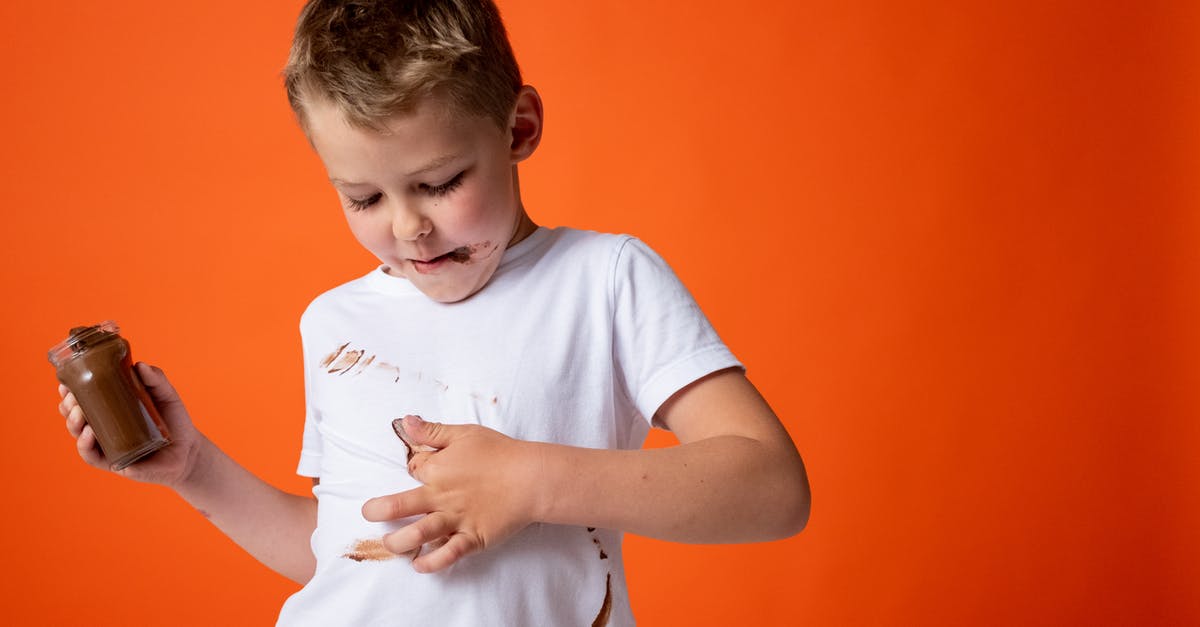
<point>462,254</point>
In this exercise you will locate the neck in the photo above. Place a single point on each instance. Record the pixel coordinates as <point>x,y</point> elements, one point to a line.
<point>523,226</point>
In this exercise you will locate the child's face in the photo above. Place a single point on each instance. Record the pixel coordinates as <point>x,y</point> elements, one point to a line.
<point>435,199</point>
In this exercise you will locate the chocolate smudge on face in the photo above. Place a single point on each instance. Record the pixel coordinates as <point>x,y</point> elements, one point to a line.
<point>606,607</point>
<point>372,550</point>
<point>464,254</point>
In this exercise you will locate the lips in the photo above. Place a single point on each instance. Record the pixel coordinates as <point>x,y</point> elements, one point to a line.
<point>462,254</point>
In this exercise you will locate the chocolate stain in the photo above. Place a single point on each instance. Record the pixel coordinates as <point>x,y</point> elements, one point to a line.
<point>383,365</point>
<point>348,360</point>
<point>606,607</point>
<point>372,550</point>
<point>356,361</point>
<point>334,355</point>
<point>464,254</point>
<point>599,547</point>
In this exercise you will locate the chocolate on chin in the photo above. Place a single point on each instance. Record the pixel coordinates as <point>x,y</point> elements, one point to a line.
<point>95,363</point>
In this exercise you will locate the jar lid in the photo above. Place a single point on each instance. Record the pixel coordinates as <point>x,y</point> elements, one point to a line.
<point>80,338</point>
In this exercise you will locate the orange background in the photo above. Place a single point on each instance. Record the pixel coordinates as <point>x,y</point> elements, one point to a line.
<point>955,245</point>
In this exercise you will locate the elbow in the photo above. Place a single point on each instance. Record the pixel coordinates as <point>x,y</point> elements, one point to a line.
<point>795,503</point>
<point>800,509</point>
<point>800,520</point>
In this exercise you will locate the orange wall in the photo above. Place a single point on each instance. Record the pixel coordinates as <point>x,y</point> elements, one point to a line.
<point>956,246</point>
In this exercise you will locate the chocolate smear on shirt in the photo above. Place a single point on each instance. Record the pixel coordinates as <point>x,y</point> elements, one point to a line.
<point>348,360</point>
<point>600,547</point>
<point>370,550</point>
<point>334,355</point>
<point>606,608</point>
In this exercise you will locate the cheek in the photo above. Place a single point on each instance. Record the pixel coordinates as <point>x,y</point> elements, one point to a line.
<point>480,211</point>
<point>369,232</point>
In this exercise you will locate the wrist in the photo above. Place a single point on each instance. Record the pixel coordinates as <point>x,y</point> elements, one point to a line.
<point>542,481</point>
<point>197,463</point>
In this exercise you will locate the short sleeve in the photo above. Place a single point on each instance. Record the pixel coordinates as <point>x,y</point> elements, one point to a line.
<point>311,447</point>
<point>662,341</point>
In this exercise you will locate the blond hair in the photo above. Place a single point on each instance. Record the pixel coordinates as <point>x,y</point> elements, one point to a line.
<point>374,59</point>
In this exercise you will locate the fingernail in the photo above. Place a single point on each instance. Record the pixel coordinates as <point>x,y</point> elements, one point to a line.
<point>416,419</point>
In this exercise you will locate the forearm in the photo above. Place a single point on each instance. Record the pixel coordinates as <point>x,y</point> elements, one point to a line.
<point>272,525</point>
<point>721,489</point>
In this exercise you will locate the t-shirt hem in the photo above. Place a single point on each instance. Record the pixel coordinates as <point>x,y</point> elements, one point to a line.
<point>309,466</point>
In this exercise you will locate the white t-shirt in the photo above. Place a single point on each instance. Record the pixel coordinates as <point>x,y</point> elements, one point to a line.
<point>578,338</point>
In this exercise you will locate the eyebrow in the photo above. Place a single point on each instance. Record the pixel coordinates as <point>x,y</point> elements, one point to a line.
<point>432,165</point>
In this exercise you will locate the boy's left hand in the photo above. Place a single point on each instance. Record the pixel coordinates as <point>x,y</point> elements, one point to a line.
<point>479,490</point>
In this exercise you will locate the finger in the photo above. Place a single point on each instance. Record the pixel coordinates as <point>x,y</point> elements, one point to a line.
<point>415,463</point>
<point>62,391</point>
<point>393,506</point>
<point>75,421</point>
<point>458,546</point>
<point>68,401</point>
<point>89,450</point>
<point>155,380</point>
<point>427,529</point>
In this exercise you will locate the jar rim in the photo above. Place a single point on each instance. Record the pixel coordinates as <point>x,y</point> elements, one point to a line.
<point>79,335</point>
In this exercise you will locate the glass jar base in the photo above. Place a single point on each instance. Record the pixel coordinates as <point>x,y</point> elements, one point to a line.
<point>138,453</point>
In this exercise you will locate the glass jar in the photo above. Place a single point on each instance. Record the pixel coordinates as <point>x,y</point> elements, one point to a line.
<point>95,364</point>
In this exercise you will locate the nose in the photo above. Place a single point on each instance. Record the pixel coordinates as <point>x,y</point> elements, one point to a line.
<point>409,223</point>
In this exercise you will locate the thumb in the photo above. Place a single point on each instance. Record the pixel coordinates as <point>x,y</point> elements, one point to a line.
<point>165,398</point>
<point>429,434</point>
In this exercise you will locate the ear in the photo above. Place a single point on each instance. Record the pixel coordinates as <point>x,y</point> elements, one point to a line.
<point>525,124</point>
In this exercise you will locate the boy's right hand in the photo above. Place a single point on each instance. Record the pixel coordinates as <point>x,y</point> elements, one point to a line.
<point>168,466</point>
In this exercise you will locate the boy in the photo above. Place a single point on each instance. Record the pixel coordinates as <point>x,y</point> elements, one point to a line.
<point>541,357</point>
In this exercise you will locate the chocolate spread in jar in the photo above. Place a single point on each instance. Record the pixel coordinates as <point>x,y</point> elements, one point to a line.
<point>96,365</point>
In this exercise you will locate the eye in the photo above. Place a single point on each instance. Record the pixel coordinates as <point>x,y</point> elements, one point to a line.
<point>444,188</point>
<point>359,204</point>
